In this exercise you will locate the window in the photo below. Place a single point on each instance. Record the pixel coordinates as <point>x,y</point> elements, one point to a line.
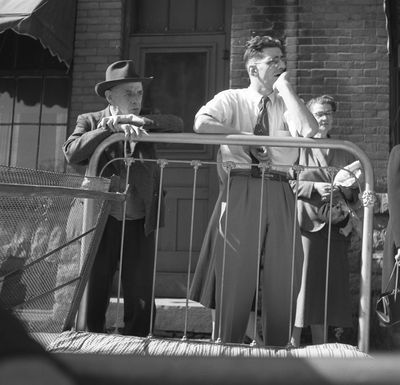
<point>34,100</point>
<point>177,16</point>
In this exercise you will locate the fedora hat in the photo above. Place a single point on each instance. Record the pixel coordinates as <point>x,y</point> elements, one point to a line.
<point>120,72</point>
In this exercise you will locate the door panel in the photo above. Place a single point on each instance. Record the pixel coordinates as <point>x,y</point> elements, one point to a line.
<point>188,70</point>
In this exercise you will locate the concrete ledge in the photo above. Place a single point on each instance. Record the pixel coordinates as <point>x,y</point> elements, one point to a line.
<point>170,315</point>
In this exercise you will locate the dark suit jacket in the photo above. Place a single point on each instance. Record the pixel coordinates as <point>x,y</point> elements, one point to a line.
<point>81,144</point>
<point>392,240</point>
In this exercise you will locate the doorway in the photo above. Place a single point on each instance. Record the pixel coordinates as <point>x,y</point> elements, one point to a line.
<point>185,46</point>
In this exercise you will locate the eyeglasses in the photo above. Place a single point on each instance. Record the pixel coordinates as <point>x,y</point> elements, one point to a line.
<point>323,113</point>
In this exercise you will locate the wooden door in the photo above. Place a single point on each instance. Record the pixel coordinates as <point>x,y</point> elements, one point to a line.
<point>188,71</point>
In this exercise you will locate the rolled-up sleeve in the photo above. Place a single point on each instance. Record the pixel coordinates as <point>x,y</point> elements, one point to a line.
<point>218,108</point>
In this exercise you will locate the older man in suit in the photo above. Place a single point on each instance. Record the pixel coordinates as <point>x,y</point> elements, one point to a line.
<point>123,89</point>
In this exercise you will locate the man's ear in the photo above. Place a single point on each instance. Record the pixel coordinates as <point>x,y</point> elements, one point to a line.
<point>107,95</point>
<point>253,71</point>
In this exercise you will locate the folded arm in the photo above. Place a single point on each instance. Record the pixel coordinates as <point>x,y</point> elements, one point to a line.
<point>81,144</point>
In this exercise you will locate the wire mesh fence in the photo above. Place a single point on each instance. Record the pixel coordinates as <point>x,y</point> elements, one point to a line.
<point>45,248</point>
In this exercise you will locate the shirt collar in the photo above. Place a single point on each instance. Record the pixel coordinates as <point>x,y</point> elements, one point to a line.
<point>256,96</point>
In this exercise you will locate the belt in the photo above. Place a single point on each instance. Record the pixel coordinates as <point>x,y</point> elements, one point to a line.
<point>276,176</point>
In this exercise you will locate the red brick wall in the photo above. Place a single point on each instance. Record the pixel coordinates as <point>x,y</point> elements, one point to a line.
<point>336,47</point>
<point>98,42</point>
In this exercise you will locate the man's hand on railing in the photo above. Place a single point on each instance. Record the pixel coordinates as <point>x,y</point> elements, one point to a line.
<point>114,122</point>
<point>131,125</point>
<point>132,132</point>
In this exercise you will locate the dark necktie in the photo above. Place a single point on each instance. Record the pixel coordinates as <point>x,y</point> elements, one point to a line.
<point>261,128</point>
<point>262,125</point>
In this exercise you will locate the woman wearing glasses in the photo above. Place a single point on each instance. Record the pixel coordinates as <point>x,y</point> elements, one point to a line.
<point>314,191</point>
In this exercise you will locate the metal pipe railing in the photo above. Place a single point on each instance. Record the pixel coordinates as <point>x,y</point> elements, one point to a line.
<point>368,197</point>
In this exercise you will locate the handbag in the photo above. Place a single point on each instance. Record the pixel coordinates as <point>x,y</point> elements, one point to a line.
<point>388,304</point>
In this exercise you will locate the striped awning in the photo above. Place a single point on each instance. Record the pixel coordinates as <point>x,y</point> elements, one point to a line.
<point>52,22</point>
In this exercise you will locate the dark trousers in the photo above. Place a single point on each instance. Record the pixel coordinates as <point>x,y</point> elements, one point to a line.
<point>136,277</point>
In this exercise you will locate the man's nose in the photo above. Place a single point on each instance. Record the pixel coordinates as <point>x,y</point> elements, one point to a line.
<point>282,65</point>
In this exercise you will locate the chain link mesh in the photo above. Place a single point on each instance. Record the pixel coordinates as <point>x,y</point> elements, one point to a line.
<point>45,252</point>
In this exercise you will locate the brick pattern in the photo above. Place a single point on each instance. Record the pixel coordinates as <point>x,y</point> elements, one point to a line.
<point>98,42</point>
<point>332,47</point>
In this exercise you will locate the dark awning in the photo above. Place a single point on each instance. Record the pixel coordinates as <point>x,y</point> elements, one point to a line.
<point>52,22</point>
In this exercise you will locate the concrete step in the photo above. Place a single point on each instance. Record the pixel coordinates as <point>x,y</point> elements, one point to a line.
<point>170,316</point>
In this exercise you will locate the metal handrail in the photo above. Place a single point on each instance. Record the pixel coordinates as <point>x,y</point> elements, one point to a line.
<point>368,196</point>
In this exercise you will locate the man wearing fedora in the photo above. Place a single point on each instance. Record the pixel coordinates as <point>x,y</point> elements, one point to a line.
<point>123,90</point>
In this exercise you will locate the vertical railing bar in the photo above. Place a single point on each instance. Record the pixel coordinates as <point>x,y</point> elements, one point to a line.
<point>12,124</point>
<point>228,166</point>
<point>328,255</point>
<point>128,163</point>
<point>254,342</point>
<point>295,227</point>
<point>195,165</point>
<point>162,163</point>
<point>42,81</point>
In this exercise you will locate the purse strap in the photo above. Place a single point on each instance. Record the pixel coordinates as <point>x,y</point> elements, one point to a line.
<point>395,268</point>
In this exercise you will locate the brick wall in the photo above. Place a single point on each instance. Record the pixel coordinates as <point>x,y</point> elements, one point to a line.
<point>332,47</point>
<point>98,42</point>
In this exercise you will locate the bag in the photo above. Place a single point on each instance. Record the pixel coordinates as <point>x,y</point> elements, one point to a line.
<point>340,211</point>
<point>388,304</point>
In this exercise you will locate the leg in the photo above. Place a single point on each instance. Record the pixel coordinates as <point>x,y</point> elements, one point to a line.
<point>251,332</point>
<point>296,336</point>
<point>317,333</point>
<point>212,325</point>
<point>137,278</point>
<point>279,288</point>
<point>100,281</point>
<point>238,283</point>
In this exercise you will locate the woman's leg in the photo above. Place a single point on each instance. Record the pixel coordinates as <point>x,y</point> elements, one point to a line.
<point>296,336</point>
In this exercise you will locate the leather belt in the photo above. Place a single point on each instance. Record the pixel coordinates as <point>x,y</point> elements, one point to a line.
<point>276,176</point>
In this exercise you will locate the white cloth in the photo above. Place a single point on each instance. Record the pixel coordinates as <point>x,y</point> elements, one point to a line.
<point>350,179</point>
<point>238,108</point>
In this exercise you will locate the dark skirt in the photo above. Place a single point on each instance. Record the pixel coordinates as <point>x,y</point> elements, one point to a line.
<point>311,300</point>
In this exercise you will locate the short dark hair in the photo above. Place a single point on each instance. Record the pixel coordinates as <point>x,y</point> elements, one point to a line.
<point>256,44</point>
<point>323,99</point>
